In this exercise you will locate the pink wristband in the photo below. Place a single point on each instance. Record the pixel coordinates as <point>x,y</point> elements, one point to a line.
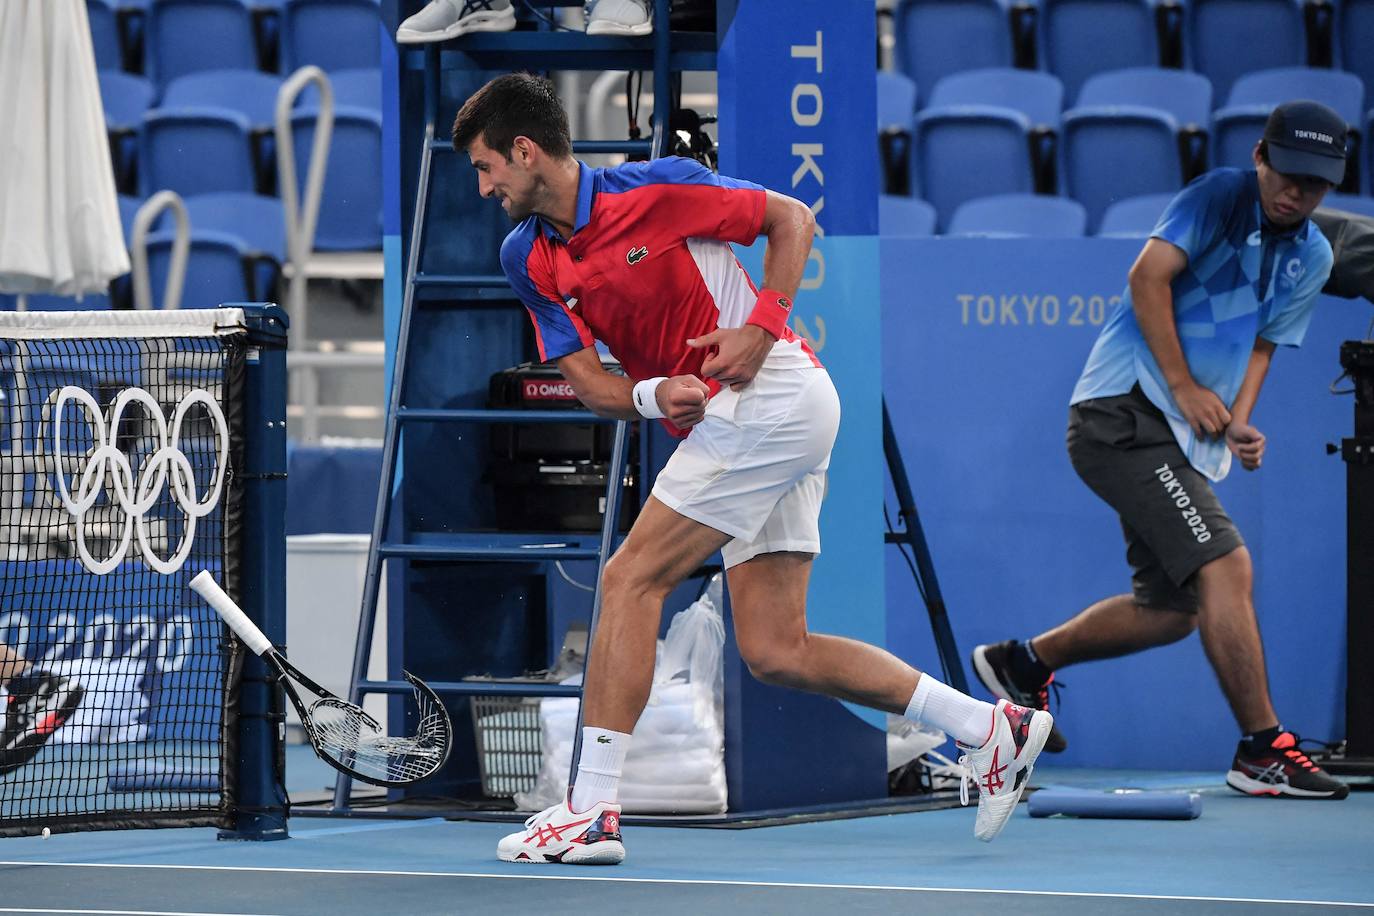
<point>771,312</point>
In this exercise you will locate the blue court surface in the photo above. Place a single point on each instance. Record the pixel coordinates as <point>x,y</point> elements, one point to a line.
<point>1242,856</point>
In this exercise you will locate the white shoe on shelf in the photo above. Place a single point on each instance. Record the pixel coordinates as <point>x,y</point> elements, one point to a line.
<point>619,17</point>
<point>441,20</point>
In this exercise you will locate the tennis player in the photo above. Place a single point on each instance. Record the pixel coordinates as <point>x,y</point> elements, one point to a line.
<point>638,256</point>
<point>37,704</point>
<point>1231,272</point>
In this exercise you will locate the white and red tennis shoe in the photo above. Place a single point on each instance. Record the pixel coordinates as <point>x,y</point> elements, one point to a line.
<point>1002,766</point>
<point>557,835</point>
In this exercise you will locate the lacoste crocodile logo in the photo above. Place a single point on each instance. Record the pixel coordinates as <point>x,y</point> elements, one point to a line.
<point>635,255</point>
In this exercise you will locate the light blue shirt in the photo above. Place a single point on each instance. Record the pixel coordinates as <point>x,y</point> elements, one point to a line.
<point>1243,280</point>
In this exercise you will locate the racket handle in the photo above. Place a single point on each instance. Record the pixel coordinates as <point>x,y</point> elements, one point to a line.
<point>205,585</point>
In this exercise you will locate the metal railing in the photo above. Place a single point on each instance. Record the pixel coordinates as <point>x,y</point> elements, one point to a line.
<point>181,250</point>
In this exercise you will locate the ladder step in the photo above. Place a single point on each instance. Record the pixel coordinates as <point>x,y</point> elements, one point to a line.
<point>447,415</point>
<point>462,281</point>
<point>579,146</point>
<point>531,553</point>
<point>624,147</point>
<point>549,50</point>
<point>477,688</point>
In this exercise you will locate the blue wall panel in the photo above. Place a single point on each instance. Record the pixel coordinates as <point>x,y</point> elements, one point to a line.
<point>797,108</point>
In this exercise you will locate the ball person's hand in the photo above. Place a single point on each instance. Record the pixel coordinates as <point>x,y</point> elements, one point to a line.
<point>1246,443</point>
<point>682,399</point>
<point>735,355</point>
<point>1203,410</point>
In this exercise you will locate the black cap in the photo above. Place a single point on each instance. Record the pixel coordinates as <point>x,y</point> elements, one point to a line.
<point>1307,138</point>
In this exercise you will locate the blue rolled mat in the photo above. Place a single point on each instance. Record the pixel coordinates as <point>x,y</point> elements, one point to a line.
<point>155,775</point>
<point>1116,803</point>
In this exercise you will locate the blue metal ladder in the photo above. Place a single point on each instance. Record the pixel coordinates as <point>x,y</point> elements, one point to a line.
<point>664,53</point>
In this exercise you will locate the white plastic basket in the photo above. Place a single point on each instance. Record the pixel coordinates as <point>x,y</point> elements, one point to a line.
<point>509,745</point>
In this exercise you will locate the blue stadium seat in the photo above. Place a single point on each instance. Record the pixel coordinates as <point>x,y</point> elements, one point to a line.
<point>331,34</point>
<point>1133,217</point>
<point>1039,96</point>
<point>1351,203</point>
<point>1079,38</point>
<point>351,209</point>
<point>188,36</point>
<point>125,98</point>
<point>1011,215</point>
<point>1342,91</point>
<point>249,92</point>
<point>362,89</point>
<point>896,99</point>
<point>255,218</point>
<point>1237,127</point>
<point>1229,38</point>
<point>969,151</point>
<point>935,38</point>
<point>1117,152</point>
<point>196,151</point>
<point>128,209</point>
<point>257,221</point>
<point>904,217</point>
<point>109,54</point>
<point>1186,96</point>
<point>216,269</point>
<point>1354,40</point>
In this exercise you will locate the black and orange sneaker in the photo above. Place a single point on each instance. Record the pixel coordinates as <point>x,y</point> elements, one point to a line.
<point>992,665</point>
<point>39,704</point>
<point>1283,771</point>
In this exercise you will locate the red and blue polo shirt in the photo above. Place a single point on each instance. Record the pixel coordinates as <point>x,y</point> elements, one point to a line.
<point>648,266</point>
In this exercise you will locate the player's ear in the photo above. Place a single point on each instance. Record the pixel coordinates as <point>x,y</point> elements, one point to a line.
<point>523,150</point>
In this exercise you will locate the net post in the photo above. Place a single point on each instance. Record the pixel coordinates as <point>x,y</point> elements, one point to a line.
<point>261,801</point>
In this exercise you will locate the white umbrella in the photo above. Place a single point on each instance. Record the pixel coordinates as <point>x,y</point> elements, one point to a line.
<point>59,218</point>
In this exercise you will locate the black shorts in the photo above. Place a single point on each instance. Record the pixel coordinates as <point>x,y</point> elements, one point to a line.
<point>1174,524</point>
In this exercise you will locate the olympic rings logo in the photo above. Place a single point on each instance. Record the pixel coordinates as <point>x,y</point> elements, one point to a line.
<point>109,470</point>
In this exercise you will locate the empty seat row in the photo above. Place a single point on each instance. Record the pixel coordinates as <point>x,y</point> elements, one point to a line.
<point>236,252</point>
<point>1074,39</point>
<point>1132,132</point>
<point>214,134</point>
<point>165,39</point>
<point>1042,216</point>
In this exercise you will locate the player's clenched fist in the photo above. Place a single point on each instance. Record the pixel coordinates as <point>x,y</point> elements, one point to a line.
<point>682,399</point>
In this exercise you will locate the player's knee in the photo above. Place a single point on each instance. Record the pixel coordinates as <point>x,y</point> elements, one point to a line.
<point>1232,570</point>
<point>626,577</point>
<point>1179,623</point>
<point>771,661</point>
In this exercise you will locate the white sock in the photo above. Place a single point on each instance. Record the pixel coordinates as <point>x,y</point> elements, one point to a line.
<point>598,767</point>
<point>965,719</point>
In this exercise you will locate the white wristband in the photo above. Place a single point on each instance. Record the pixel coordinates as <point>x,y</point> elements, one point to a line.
<point>645,397</point>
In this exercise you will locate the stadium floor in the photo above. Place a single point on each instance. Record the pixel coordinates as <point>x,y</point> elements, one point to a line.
<point>1242,856</point>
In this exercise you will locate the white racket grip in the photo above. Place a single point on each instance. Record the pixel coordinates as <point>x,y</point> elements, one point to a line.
<point>205,585</point>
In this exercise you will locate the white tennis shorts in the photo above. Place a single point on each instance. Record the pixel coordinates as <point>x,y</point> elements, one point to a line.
<point>755,467</point>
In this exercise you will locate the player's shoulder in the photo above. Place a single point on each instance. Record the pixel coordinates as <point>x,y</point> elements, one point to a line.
<point>516,247</point>
<point>665,170</point>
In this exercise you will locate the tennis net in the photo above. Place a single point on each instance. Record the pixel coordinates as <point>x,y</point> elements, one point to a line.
<point>120,437</point>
